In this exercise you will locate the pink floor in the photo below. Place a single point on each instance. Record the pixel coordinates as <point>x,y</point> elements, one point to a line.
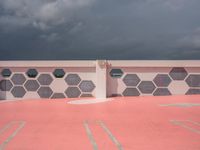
<point>133,123</point>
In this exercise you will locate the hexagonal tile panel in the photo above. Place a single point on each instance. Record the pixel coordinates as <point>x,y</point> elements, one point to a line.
<point>59,73</point>
<point>58,96</point>
<point>86,95</point>
<point>193,92</point>
<point>193,80</point>
<point>18,79</point>
<point>116,73</point>
<point>146,87</point>
<point>73,92</point>
<point>32,73</point>
<point>162,80</point>
<point>72,79</point>
<point>45,79</point>
<point>18,91</point>
<point>45,92</point>
<point>178,73</point>
<point>6,73</point>
<point>87,86</point>
<point>131,92</point>
<point>31,85</point>
<point>178,87</point>
<point>5,85</point>
<point>162,92</point>
<point>131,80</point>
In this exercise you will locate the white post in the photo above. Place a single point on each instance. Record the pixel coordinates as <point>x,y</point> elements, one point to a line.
<point>101,67</point>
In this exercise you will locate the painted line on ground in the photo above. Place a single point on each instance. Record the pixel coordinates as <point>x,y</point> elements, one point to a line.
<point>7,126</point>
<point>90,135</point>
<point>21,125</point>
<point>181,123</point>
<point>111,136</point>
<point>181,105</point>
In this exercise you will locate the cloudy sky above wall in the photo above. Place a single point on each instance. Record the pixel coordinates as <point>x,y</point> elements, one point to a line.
<point>99,29</point>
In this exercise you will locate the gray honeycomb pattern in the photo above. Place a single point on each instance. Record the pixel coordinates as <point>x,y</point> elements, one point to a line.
<point>5,85</point>
<point>131,92</point>
<point>87,86</point>
<point>193,91</point>
<point>131,80</point>
<point>73,92</point>
<point>162,80</point>
<point>45,92</point>
<point>73,79</point>
<point>31,85</point>
<point>58,96</point>
<point>18,79</point>
<point>178,73</point>
<point>45,79</point>
<point>146,87</point>
<point>193,80</point>
<point>161,92</point>
<point>18,91</point>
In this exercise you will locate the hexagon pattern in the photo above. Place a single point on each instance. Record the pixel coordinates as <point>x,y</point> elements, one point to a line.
<point>146,87</point>
<point>162,80</point>
<point>31,85</point>
<point>193,80</point>
<point>18,79</point>
<point>131,80</point>
<point>18,91</point>
<point>59,73</point>
<point>72,79</point>
<point>73,92</point>
<point>58,96</point>
<point>193,91</point>
<point>45,92</point>
<point>131,92</point>
<point>5,85</point>
<point>45,79</point>
<point>87,86</point>
<point>178,73</point>
<point>32,73</point>
<point>6,73</point>
<point>161,92</point>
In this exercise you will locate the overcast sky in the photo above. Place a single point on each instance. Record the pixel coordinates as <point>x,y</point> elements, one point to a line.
<point>99,29</point>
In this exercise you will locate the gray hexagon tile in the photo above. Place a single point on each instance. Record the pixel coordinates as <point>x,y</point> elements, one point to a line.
<point>31,85</point>
<point>131,80</point>
<point>73,92</point>
<point>72,79</point>
<point>87,86</point>
<point>32,73</point>
<point>146,87</point>
<point>18,79</point>
<point>86,95</point>
<point>193,80</point>
<point>131,92</point>
<point>58,96</point>
<point>162,92</point>
<point>45,92</point>
<point>193,92</point>
<point>45,79</point>
<point>178,73</point>
<point>18,91</point>
<point>59,73</point>
<point>6,73</point>
<point>162,80</point>
<point>5,85</point>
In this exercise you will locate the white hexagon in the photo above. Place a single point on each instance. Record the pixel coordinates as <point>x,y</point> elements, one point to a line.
<point>178,87</point>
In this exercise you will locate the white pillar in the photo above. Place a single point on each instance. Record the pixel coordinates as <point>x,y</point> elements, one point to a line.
<point>101,67</point>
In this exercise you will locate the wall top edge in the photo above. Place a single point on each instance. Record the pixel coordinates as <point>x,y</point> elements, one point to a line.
<point>113,63</point>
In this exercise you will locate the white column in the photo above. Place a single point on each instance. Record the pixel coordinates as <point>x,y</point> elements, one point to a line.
<point>101,67</point>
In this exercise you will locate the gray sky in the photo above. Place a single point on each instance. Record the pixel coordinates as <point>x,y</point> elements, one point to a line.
<point>99,29</point>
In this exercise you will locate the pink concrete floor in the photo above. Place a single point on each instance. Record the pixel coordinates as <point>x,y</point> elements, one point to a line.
<point>131,123</point>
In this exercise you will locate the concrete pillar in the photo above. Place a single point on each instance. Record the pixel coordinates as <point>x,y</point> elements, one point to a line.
<point>101,67</point>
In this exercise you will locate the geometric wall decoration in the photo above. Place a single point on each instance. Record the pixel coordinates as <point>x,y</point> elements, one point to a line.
<point>32,73</point>
<point>45,79</point>
<point>18,79</point>
<point>131,80</point>
<point>6,73</point>
<point>178,73</point>
<point>193,91</point>
<point>193,80</point>
<point>31,85</point>
<point>18,91</point>
<point>72,79</point>
<point>59,73</point>
<point>87,86</point>
<point>162,80</point>
<point>116,73</point>
<point>146,87</point>
<point>58,95</point>
<point>72,92</point>
<point>131,92</point>
<point>161,92</point>
<point>45,92</point>
<point>5,85</point>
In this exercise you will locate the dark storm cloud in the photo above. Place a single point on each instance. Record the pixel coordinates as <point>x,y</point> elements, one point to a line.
<point>99,29</point>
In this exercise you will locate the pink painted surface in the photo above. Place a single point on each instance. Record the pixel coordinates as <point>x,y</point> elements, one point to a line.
<point>138,123</point>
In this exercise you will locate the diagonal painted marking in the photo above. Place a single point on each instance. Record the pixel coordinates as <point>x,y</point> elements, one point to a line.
<point>21,125</point>
<point>181,123</point>
<point>196,123</point>
<point>8,125</point>
<point>111,136</point>
<point>90,136</point>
